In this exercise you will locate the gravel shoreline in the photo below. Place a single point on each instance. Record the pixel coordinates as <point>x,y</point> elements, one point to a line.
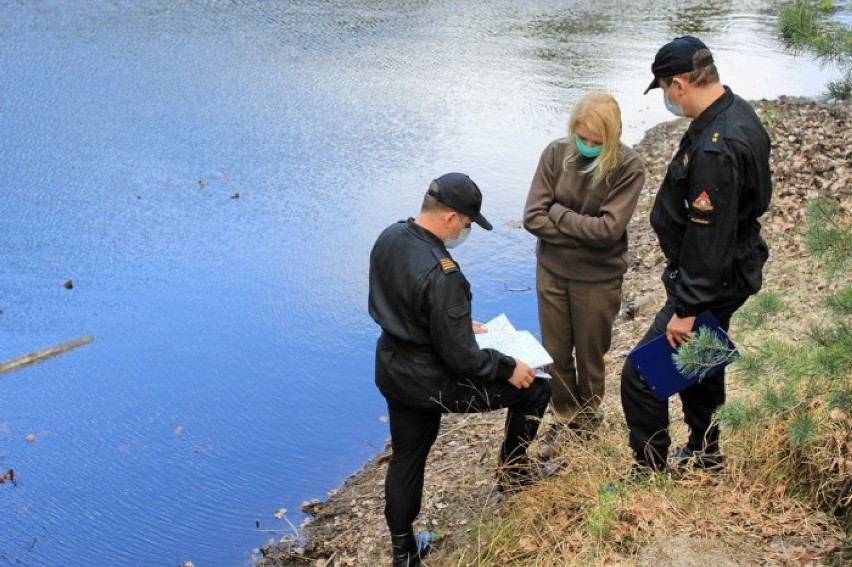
<point>810,156</point>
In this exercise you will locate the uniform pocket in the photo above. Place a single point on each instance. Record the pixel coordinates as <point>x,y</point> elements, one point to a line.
<point>459,310</point>
<point>750,257</point>
<point>678,171</point>
<point>679,178</point>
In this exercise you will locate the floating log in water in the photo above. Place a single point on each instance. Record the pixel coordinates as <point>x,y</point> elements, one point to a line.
<point>43,354</point>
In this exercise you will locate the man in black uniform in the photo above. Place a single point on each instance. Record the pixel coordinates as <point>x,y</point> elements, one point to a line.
<point>427,358</point>
<point>706,219</point>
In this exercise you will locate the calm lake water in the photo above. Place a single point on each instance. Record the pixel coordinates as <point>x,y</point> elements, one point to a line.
<point>211,176</point>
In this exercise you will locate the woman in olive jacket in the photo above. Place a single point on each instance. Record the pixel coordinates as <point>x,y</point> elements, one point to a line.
<point>580,201</point>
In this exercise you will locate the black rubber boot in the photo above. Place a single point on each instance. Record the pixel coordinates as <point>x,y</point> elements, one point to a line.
<point>405,550</point>
<point>517,474</point>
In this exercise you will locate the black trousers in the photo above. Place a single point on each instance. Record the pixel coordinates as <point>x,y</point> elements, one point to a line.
<point>648,418</point>
<point>413,431</point>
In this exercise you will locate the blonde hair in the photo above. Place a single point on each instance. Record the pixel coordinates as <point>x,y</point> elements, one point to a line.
<point>600,113</point>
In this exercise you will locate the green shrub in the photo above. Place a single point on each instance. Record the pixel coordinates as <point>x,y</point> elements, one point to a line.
<point>796,424</point>
<point>804,25</point>
<point>759,308</point>
<point>802,430</point>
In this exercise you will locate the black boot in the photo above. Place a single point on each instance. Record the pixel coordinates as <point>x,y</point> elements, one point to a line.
<point>516,474</point>
<point>405,551</point>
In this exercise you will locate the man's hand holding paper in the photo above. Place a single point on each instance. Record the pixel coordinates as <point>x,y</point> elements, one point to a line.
<point>520,345</point>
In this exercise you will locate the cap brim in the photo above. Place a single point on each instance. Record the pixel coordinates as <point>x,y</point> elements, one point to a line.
<point>480,220</point>
<point>655,84</point>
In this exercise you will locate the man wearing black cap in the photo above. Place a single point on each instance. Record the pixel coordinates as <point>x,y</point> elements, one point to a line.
<point>706,219</point>
<point>427,358</point>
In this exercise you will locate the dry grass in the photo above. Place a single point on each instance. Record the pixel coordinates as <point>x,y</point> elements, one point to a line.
<point>765,509</point>
<point>772,504</point>
<point>588,515</point>
<point>775,503</point>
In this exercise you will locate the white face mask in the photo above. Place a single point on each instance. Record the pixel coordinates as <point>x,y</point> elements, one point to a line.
<point>453,242</point>
<point>675,109</point>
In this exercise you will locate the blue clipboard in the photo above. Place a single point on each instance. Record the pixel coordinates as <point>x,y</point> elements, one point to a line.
<point>654,360</point>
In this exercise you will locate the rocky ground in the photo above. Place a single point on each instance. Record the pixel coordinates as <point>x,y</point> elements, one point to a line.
<point>811,156</point>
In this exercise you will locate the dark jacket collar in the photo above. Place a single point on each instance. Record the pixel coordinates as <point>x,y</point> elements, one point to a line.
<point>423,234</point>
<point>710,114</point>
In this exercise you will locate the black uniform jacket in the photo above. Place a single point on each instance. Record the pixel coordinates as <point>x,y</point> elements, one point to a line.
<point>422,301</point>
<point>705,214</point>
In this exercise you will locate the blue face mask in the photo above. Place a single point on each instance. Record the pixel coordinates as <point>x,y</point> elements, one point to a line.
<point>675,109</point>
<point>453,242</point>
<point>588,151</point>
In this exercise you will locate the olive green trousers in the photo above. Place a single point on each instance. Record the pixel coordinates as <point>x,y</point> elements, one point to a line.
<point>576,328</point>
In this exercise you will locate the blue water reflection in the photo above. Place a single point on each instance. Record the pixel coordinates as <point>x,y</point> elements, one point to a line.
<point>211,176</point>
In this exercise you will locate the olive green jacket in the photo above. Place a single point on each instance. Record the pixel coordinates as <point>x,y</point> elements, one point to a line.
<point>582,227</point>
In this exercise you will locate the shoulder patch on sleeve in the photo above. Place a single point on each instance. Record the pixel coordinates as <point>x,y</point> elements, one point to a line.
<point>703,203</point>
<point>702,210</point>
<point>446,263</point>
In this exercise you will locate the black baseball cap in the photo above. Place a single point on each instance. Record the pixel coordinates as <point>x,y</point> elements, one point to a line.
<point>675,58</point>
<point>458,192</point>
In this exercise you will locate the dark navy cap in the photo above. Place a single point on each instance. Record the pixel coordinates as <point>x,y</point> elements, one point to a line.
<point>675,58</point>
<point>458,192</point>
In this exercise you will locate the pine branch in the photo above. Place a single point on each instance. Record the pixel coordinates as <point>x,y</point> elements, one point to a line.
<point>702,353</point>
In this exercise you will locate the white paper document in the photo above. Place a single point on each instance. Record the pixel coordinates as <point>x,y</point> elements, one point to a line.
<point>500,323</point>
<point>522,345</point>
